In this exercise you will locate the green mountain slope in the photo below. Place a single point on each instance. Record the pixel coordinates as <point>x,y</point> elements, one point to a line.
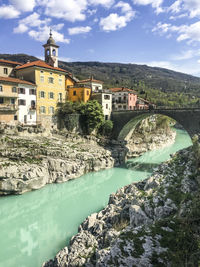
<point>161,86</point>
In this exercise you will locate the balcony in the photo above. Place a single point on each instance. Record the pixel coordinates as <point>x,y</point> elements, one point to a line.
<point>8,107</point>
<point>32,108</point>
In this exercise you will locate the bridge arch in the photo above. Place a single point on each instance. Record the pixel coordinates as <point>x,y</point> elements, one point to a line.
<point>126,121</point>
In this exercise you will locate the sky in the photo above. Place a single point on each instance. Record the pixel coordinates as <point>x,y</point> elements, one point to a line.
<point>162,33</point>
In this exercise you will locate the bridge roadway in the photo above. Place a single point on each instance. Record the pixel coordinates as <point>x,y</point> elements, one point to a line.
<point>126,120</point>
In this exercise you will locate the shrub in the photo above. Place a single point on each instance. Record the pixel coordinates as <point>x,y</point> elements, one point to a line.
<point>106,128</point>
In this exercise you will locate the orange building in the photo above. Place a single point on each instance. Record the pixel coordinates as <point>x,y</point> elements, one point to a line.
<point>79,93</point>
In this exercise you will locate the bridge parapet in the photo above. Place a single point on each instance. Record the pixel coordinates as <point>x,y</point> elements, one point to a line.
<point>124,121</point>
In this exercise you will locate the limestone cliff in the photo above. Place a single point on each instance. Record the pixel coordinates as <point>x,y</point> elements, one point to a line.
<point>152,133</point>
<point>29,163</point>
<point>155,222</point>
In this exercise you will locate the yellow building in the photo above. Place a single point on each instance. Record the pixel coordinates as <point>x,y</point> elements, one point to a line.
<point>49,79</point>
<point>79,93</point>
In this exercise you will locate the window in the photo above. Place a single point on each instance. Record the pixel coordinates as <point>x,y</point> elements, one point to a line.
<point>88,92</point>
<point>54,52</point>
<point>1,100</point>
<point>42,71</point>
<point>107,97</point>
<point>51,80</point>
<point>60,97</point>
<point>60,81</point>
<point>15,117</point>
<point>22,102</point>
<point>1,88</point>
<point>124,106</point>
<point>12,101</point>
<point>14,89</point>
<point>32,92</point>
<point>51,110</point>
<point>33,104</point>
<point>48,52</point>
<point>106,117</point>
<point>74,92</point>
<point>120,99</point>
<point>42,94</point>
<point>50,73</point>
<point>41,79</point>
<point>51,95</point>
<point>106,106</point>
<point>21,91</point>
<point>42,110</point>
<point>5,70</point>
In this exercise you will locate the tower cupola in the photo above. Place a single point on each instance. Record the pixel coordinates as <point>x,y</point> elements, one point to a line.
<point>51,51</point>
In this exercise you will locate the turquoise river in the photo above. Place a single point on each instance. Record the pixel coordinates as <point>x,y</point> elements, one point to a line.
<point>36,225</point>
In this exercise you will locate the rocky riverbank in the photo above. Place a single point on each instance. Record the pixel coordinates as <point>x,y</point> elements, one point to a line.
<point>28,163</point>
<point>150,135</point>
<point>155,222</point>
<point>30,159</point>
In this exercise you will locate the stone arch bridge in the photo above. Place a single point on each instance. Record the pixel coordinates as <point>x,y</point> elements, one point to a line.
<point>125,121</point>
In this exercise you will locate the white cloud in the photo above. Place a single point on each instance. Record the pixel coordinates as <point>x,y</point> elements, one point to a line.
<point>79,30</point>
<point>32,20</point>
<point>154,3</point>
<point>23,5</point>
<point>71,10</point>
<point>106,3</point>
<point>192,7</point>
<point>43,34</point>
<point>21,28</point>
<point>114,21</point>
<point>8,12</point>
<point>185,32</point>
<point>188,54</point>
<point>175,7</point>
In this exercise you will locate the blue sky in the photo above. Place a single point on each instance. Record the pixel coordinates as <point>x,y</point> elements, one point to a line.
<point>154,32</point>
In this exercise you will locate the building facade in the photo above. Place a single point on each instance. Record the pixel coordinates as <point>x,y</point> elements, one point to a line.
<point>105,99</point>
<point>95,85</point>
<point>14,106</point>
<point>7,68</point>
<point>123,99</point>
<point>50,82</point>
<point>142,103</point>
<point>79,93</point>
<point>27,104</point>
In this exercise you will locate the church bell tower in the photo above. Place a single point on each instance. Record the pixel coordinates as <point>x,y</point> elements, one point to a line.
<point>51,51</point>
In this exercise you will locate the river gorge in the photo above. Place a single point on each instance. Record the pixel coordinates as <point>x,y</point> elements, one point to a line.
<point>36,225</point>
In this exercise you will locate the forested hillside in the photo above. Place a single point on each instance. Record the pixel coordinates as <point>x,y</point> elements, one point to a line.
<point>161,86</point>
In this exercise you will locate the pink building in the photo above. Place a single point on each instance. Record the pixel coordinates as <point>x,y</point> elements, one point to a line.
<point>142,103</point>
<point>123,99</point>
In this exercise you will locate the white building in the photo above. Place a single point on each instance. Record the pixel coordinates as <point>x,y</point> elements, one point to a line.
<point>27,104</point>
<point>105,99</point>
<point>95,85</point>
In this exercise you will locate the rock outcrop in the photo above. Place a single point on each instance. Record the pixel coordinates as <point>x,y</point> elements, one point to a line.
<point>155,222</point>
<point>149,136</point>
<point>30,163</point>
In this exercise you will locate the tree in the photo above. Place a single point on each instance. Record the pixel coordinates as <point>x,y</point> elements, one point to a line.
<point>93,114</point>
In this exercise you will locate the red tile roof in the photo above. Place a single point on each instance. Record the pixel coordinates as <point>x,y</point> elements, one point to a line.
<point>90,80</point>
<point>9,62</point>
<point>39,63</point>
<point>14,80</point>
<point>122,89</point>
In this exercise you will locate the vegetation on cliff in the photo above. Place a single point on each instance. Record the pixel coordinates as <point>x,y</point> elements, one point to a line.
<point>91,117</point>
